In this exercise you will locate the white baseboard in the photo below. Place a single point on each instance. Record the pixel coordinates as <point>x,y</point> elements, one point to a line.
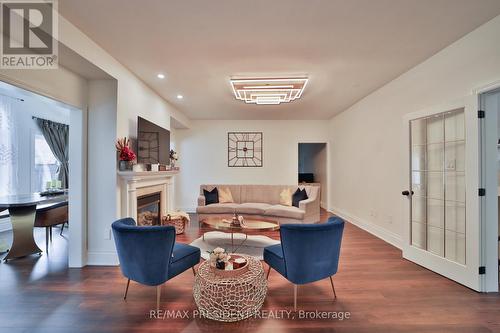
<point>382,233</point>
<point>102,259</point>
<point>5,225</point>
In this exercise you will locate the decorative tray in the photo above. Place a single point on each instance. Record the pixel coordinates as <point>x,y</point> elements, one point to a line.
<point>232,271</point>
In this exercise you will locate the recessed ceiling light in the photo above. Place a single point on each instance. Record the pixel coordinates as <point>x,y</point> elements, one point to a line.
<point>161,76</point>
<point>180,97</point>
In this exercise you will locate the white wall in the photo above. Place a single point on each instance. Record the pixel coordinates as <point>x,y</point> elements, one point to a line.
<point>203,154</point>
<point>59,84</point>
<point>367,172</point>
<point>321,174</point>
<point>102,180</point>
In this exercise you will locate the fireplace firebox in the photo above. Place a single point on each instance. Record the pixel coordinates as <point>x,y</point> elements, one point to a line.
<point>149,209</point>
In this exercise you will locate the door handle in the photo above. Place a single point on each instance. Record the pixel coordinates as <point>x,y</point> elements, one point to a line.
<point>407,193</point>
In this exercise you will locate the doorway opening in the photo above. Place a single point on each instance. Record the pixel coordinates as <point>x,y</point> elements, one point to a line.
<point>35,145</point>
<point>312,167</point>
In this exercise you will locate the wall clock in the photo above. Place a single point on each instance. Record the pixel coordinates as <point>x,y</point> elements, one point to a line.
<point>244,149</point>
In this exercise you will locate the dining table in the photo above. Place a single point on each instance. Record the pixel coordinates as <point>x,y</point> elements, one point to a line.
<point>22,213</point>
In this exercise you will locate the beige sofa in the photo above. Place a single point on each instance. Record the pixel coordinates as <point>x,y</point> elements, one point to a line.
<point>262,201</point>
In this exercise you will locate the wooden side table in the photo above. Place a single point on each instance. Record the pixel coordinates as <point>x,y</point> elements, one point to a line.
<point>232,298</point>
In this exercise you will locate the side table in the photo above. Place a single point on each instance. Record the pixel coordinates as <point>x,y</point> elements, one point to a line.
<point>232,298</point>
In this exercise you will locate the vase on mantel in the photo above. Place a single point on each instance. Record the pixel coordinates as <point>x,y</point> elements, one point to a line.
<point>125,166</point>
<point>172,163</point>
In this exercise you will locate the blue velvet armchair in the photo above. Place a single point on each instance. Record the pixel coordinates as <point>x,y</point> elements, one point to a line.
<point>150,255</point>
<point>307,253</point>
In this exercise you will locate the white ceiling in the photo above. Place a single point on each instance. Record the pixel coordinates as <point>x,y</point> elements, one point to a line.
<point>348,48</point>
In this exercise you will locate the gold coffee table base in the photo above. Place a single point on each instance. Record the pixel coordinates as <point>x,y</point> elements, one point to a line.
<point>233,248</point>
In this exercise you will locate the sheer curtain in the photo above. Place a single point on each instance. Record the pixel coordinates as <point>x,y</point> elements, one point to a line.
<point>8,148</point>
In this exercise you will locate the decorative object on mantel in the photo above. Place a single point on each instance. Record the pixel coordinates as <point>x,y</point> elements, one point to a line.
<point>138,167</point>
<point>244,149</point>
<point>179,220</point>
<point>126,154</point>
<point>173,158</point>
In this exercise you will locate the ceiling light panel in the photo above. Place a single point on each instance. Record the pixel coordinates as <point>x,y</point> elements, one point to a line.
<point>268,91</point>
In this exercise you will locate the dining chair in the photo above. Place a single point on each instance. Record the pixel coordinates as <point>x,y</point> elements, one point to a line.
<point>48,216</point>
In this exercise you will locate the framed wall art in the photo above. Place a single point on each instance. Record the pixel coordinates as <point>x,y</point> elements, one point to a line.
<point>244,149</point>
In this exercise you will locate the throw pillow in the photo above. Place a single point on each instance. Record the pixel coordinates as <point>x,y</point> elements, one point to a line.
<point>286,197</point>
<point>225,195</point>
<point>298,196</point>
<point>211,197</point>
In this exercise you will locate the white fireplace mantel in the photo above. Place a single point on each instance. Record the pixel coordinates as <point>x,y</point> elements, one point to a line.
<point>134,184</point>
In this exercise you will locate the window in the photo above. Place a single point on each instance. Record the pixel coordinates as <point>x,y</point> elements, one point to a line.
<point>45,164</point>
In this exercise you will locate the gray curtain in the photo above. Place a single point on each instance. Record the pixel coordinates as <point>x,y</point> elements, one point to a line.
<point>57,137</point>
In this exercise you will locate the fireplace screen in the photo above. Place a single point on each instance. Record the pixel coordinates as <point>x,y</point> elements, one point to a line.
<point>148,209</point>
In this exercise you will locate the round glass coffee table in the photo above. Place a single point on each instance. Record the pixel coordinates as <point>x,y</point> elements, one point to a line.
<point>248,226</point>
<point>230,298</point>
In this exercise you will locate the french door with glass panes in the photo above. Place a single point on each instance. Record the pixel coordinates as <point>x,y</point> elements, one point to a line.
<point>442,233</point>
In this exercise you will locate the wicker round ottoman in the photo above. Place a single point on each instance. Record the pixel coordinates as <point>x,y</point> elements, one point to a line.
<point>230,298</point>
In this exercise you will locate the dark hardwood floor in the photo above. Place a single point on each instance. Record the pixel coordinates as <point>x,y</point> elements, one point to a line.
<point>381,291</point>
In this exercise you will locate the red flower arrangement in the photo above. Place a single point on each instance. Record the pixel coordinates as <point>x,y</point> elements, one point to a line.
<point>124,150</point>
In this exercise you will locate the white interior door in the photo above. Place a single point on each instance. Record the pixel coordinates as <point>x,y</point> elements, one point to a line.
<point>443,229</point>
